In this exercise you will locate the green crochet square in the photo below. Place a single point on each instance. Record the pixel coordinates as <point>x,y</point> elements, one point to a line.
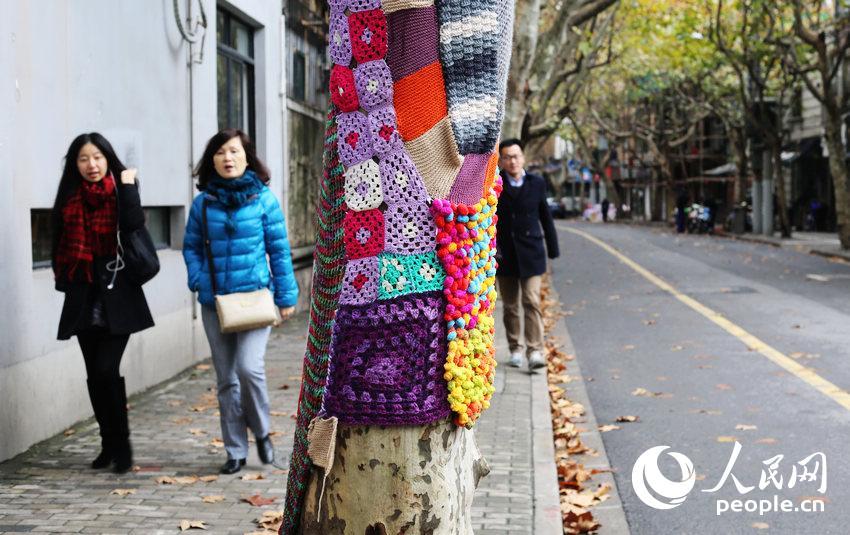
<point>405,274</point>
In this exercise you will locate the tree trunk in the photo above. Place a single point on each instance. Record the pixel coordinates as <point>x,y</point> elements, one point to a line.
<point>397,480</point>
<point>526,31</point>
<point>779,181</point>
<point>838,169</point>
<point>739,148</point>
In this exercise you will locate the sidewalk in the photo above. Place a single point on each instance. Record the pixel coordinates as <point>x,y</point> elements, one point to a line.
<point>176,439</point>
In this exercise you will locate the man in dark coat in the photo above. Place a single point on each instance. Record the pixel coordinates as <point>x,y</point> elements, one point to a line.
<point>523,222</point>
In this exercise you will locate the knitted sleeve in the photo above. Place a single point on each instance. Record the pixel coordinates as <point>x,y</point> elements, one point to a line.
<point>277,247</point>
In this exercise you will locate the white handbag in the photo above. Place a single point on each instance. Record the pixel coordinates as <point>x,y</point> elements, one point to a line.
<point>241,311</point>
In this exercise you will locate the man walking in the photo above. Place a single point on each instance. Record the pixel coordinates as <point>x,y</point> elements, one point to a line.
<point>523,221</point>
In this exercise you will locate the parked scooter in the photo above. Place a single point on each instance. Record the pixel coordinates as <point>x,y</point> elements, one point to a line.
<point>699,219</point>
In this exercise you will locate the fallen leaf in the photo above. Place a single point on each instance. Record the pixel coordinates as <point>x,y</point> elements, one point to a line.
<point>197,432</point>
<point>726,439</point>
<point>723,387</point>
<point>166,480</point>
<point>677,348</point>
<point>745,427</point>
<point>284,387</point>
<point>192,524</point>
<point>174,402</point>
<point>182,420</point>
<point>609,427</point>
<point>69,432</point>
<point>275,433</point>
<point>649,322</point>
<point>252,477</point>
<point>761,525</point>
<point>202,367</point>
<point>123,492</point>
<point>186,480</point>
<point>628,347</point>
<point>208,479</point>
<point>294,377</point>
<point>217,443</point>
<point>766,441</point>
<point>212,499</point>
<point>279,413</point>
<point>627,419</point>
<point>258,501</point>
<point>271,520</point>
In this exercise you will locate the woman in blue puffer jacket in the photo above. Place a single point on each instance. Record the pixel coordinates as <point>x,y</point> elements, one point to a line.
<point>250,251</point>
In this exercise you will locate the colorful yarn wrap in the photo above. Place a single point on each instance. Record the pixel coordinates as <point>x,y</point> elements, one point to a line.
<point>401,326</point>
<point>467,249</point>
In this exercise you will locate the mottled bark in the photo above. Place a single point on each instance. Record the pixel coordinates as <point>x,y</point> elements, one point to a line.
<point>413,480</point>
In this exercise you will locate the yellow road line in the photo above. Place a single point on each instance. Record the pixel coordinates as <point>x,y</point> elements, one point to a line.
<point>752,342</point>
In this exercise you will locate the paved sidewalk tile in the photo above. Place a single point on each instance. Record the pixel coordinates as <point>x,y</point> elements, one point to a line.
<point>175,434</point>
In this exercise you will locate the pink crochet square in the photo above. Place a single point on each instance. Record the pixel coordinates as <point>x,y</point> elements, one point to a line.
<point>363,186</point>
<point>343,89</point>
<point>410,229</point>
<point>383,130</point>
<point>400,179</point>
<point>368,35</point>
<point>374,84</point>
<point>360,283</point>
<point>353,139</point>
<point>364,233</point>
<point>339,41</point>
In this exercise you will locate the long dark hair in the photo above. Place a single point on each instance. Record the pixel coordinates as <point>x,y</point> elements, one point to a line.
<point>205,171</point>
<point>71,177</point>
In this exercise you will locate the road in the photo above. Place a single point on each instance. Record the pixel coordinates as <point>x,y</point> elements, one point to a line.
<point>731,342</point>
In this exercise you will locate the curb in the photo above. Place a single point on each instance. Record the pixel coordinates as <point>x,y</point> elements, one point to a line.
<point>610,514</point>
<point>547,500</point>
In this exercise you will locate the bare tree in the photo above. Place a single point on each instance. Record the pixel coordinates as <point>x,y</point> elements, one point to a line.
<point>556,44</point>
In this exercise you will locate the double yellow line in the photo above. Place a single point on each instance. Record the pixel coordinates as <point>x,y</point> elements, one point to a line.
<point>752,342</point>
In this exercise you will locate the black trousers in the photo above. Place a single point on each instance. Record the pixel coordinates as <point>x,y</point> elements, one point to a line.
<point>102,352</point>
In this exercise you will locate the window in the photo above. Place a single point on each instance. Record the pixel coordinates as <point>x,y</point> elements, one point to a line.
<point>299,76</point>
<point>42,237</point>
<point>158,221</point>
<point>235,73</point>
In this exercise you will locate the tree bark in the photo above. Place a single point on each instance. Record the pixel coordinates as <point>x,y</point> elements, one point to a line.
<point>838,169</point>
<point>397,480</point>
<point>526,31</point>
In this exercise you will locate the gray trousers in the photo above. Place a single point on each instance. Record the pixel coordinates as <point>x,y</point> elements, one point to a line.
<point>243,399</point>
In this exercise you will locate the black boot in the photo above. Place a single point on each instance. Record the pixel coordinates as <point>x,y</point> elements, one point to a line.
<point>265,449</point>
<point>97,394</point>
<point>123,453</point>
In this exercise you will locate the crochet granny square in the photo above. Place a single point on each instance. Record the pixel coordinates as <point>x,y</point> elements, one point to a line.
<point>384,131</point>
<point>410,228</point>
<point>386,363</point>
<point>343,90</point>
<point>400,179</point>
<point>364,234</point>
<point>363,186</point>
<point>353,140</point>
<point>339,42</point>
<point>368,31</point>
<point>374,84</point>
<point>360,283</point>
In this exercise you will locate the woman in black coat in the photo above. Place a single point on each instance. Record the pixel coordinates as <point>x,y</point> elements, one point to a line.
<point>103,305</point>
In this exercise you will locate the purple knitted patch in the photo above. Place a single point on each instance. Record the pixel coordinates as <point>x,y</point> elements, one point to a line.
<point>383,131</point>
<point>374,84</point>
<point>414,36</point>
<point>386,363</point>
<point>339,41</point>
<point>401,180</point>
<point>410,229</point>
<point>363,5</point>
<point>360,283</point>
<point>353,139</point>
<point>468,187</point>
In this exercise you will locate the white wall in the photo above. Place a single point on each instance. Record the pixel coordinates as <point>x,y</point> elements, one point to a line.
<point>118,67</point>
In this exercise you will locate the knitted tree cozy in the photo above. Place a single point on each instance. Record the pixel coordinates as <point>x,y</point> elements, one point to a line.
<point>401,330</point>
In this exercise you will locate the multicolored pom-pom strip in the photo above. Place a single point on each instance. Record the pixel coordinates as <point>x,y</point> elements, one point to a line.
<point>466,246</point>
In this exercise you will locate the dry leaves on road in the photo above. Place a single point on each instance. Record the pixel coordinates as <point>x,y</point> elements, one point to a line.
<point>745,427</point>
<point>646,393</point>
<point>724,438</point>
<point>123,492</point>
<point>279,413</point>
<point>258,501</point>
<point>192,524</point>
<point>270,521</point>
<point>208,479</point>
<point>609,427</point>
<point>69,432</point>
<point>212,499</point>
<point>252,477</point>
<point>723,387</point>
<point>217,443</point>
<point>197,432</point>
<point>626,419</point>
<point>761,525</point>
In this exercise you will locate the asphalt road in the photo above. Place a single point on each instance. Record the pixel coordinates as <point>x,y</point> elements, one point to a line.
<point>708,385</point>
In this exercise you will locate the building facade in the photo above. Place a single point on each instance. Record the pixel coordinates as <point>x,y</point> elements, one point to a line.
<point>158,79</point>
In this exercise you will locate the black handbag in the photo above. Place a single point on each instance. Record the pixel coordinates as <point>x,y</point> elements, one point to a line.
<point>135,255</point>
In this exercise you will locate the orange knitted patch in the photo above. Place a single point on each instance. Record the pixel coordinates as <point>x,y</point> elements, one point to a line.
<point>490,174</point>
<point>420,101</point>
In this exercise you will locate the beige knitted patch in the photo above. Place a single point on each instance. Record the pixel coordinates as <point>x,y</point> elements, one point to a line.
<point>397,5</point>
<point>435,154</point>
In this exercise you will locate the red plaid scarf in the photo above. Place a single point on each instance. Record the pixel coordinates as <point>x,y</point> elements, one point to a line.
<point>89,225</point>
